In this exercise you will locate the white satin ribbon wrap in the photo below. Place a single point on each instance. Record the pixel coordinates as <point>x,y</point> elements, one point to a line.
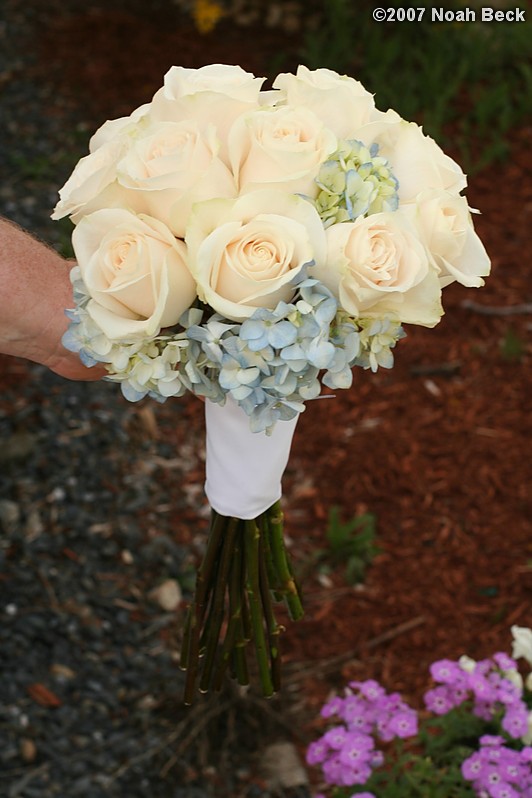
<point>243,468</point>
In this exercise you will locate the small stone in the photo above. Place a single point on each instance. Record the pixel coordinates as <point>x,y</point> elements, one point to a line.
<point>167,595</point>
<point>28,750</point>
<point>62,672</point>
<point>34,525</point>
<point>17,447</point>
<point>147,702</point>
<point>9,514</point>
<point>281,767</point>
<point>126,557</point>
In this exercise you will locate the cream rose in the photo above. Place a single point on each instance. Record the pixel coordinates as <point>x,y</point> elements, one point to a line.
<point>172,166</point>
<point>244,253</point>
<point>92,184</point>
<point>446,227</point>
<point>135,272</point>
<point>231,81</point>
<point>113,129</point>
<point>340,101</point>
<point>376,266</point>
<point>416,160</point>
<point>216,94</point>
<point>279,147</point>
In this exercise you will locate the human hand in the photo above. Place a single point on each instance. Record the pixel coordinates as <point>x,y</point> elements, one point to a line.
<point>36,290</point>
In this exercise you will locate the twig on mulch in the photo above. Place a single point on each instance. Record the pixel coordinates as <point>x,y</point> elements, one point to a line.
<point>200,722</point>
<point>198,717</point>
<point>426,369</point>
<point>332,663</point>
<point>488,310</point>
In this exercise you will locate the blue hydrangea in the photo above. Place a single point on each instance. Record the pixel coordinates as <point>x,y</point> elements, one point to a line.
<point>270,364</point>
<point>355,181</point>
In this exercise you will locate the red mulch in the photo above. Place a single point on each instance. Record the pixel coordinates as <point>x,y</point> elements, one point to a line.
<point>437,448</point>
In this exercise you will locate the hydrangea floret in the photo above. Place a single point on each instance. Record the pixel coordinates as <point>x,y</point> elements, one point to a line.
<point>355,181</point>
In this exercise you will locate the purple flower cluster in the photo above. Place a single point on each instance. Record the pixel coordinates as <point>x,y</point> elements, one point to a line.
<point>497,771</point>
<point>487,685</point>
<point>347,752</point>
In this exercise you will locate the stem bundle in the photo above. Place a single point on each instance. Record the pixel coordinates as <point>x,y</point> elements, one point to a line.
<point>245,568</point>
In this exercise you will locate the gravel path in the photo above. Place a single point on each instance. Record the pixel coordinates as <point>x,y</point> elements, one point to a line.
<point>90,690</point>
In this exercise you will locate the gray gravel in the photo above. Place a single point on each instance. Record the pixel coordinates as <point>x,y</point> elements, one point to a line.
<point>90,689</point>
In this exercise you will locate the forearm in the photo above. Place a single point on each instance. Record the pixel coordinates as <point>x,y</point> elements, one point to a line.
<point>35,290</point>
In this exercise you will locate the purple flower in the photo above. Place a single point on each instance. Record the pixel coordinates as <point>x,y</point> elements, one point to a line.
<point>472,767</point>
<point>491,739</point>
<point>438,700</point>
<point>371,690</point>
<point>393,702</point>
<point>404,724</point>
<point>445,671</point>
<point>511,771</point>
<point>332,707</point>
<point>497,771</point>
<point>356,749</point>
<point>483,710</point>
<point>481,687</point>
<point>355,713</point>
<point>336,737</point>
<point>515,721</point>
<point>504,662</point>
<point>491,777</point>
<point>317,752</point>
<point>484,666</point>
<point>333,770</point>
<point>355,774</point>
<point>458,694</point>
<point>503,790</point>
<point>363,795</point>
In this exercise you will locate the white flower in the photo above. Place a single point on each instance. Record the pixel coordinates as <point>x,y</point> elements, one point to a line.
<point>172,166</point>
<point>340,101</point>
<point>279,147</point>
<point>231,81</point>
<point>134,271</point>
<point>121,128</point>
<point>377,267</point>
<point>416,160</point>
<point>522,643</point>
<point>446,227</point>
<point>467,664</point>
<point>92,184</point>
<point>244,253</point>
<point>212,95</point>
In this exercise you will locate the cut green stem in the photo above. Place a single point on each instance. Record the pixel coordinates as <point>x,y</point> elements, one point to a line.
<point>245,567</point>
<point>255,608</point>
<point>213,624</point>
<point>288,584</point>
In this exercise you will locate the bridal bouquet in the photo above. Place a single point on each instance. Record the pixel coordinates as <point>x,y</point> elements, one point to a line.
<point>251,246</point>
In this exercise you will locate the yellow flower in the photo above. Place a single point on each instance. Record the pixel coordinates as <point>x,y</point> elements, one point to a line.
<point>206,15</point>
